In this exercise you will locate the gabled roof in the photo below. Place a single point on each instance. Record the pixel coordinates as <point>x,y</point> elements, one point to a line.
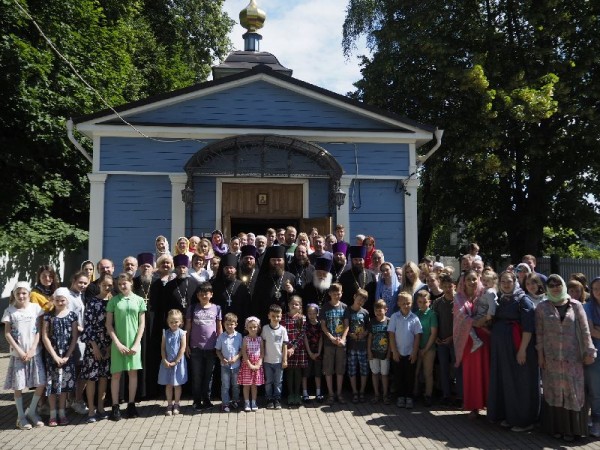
<point>259,72</point>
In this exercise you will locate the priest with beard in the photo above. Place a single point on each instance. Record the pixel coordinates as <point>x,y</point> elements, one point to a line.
<point>141,287</point>
<point>179,292</point>
<point>316,291</point>
<point>302,269</point>
<point>358,277</point>
<point>230,293</point>
<point>248,271</point>
<point>274,285</point>
<point>340,263</point>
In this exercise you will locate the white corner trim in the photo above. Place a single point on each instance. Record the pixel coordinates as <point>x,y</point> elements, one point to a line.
<point>96,232</point>
<point>343,214</point>
<point>96,154</point>
<point>178,212</point>
<point>411,231</point>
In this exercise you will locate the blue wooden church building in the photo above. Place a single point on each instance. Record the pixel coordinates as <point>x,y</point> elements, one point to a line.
<point>251,149</point>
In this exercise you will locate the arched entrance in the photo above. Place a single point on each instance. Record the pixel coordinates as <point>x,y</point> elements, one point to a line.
<point>264,178</point>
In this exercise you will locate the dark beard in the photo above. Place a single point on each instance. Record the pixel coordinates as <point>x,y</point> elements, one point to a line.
<point>230,277</point>
<point>245,268</point>
<point>277,272</point>
<point>302,262</point>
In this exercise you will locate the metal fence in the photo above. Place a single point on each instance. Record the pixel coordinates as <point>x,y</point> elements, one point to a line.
<point>566,266</point>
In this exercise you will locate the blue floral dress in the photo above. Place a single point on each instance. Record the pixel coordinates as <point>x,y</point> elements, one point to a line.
<point>60,331</point>
<point>95,331</point>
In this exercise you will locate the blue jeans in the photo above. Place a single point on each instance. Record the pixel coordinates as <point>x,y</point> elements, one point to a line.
<point>203,362</point>
<point>592,384</point>
<point>273,380</point>
<point>229,379</point>
<point>446,358</point>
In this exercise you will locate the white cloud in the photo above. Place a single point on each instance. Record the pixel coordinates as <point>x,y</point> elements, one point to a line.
<point>306,36</point>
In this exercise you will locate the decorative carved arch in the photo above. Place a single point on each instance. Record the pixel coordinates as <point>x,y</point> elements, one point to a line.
<point>265,156</point>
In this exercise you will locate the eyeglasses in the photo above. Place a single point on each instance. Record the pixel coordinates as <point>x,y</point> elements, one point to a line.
<point>554,285</point>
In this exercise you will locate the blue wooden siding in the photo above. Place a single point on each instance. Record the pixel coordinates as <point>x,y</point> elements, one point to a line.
<point>205,195</point>
<point>145,155</point>
<point>259,104</point>
<point>373,159</point>
<point>318,197</point>
<point>137,209</point>
<point>381,215</point>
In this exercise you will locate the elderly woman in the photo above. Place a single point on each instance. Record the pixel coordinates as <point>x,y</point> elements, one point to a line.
<point>592,372</point>
<point>388,287</point>
<point>514,397</point>
<point>564,345</point>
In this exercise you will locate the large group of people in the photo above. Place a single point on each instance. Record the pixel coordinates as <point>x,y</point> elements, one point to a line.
<point>302,307</point>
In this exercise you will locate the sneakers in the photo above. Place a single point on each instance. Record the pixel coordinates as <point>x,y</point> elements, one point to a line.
<point>169,411</point>
<point>247,407</point>
<point>35,420</point>
<point>277,404</point>
<point>254,406</point>
<point>52,422</point>
<point>595,429</point>
<point>401,402</point>
<point>305,399</point>
<point>91,419</point>
<point>476,345</point>
<point>225,408</point>
<point>22,424</point>
<point>176,409</point>
<point>102,415</point>
<point>62,421</point>
<point>409,403</point>
<point>319,398</point>
<point>270,404</point>
<point>79,407</point>
<point>116,413</point>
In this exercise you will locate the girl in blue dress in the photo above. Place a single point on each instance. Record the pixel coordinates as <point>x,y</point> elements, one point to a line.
<point>173,367</point>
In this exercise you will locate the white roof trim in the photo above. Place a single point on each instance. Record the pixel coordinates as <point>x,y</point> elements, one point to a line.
<point>197,133</point>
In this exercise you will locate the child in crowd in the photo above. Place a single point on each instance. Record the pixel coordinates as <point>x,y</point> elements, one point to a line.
<point>313,343</point>
<point>251,372</point>
<point>404,331</point>
<point>59,334</point>
<point>334,348</point>
<point>433,285</point>
<point>229,346</point>
<point>294,323</point>
<point>443,308</point>
<point>203,324</point>
<point>275,339</point>
<point>429,324</point>
<point>173,369</point>
<point>486,306</point>
<point>378,351</point>
<point>356,319</point>
<point>25,368</point>
<point>96,357</point>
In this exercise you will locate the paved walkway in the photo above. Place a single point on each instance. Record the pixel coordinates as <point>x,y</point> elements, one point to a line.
<point>348,426</point>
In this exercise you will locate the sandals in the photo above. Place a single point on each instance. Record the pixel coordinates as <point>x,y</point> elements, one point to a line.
<point>341,399</point>
<point>330,400</point>
<point>361,397</point>
<point>355,398</point>
<point>375,399</point>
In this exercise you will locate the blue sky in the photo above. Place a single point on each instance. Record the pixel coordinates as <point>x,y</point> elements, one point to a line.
<point>306,36</point>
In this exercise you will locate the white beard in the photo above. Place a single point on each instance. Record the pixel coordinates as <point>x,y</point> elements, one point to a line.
<point>322,285</point>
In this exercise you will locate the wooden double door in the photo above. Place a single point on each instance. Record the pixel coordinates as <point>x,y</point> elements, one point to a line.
<point>254,207</point>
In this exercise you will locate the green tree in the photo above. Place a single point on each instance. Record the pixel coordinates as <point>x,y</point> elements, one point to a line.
<point>122,49</point>
<point>515,86</point>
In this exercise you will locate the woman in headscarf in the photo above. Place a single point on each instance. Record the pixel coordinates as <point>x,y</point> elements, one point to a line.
<point>592,372</point>
<point>475,365</point>
<point>564,345</point>
<point>219,246</point>
<point>388,287</point>
<point>514,396</point>
<point>88,268</point>
<point>182,247</point>
<point>162,247</point>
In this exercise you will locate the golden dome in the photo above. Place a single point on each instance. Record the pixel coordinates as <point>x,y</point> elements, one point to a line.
<point>252,18</point>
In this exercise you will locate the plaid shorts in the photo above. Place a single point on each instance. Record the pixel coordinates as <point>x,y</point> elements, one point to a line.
<point>358,359</point>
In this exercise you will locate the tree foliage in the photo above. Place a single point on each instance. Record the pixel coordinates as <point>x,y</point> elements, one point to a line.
<point>126,51</point>
<point>515,85</point>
